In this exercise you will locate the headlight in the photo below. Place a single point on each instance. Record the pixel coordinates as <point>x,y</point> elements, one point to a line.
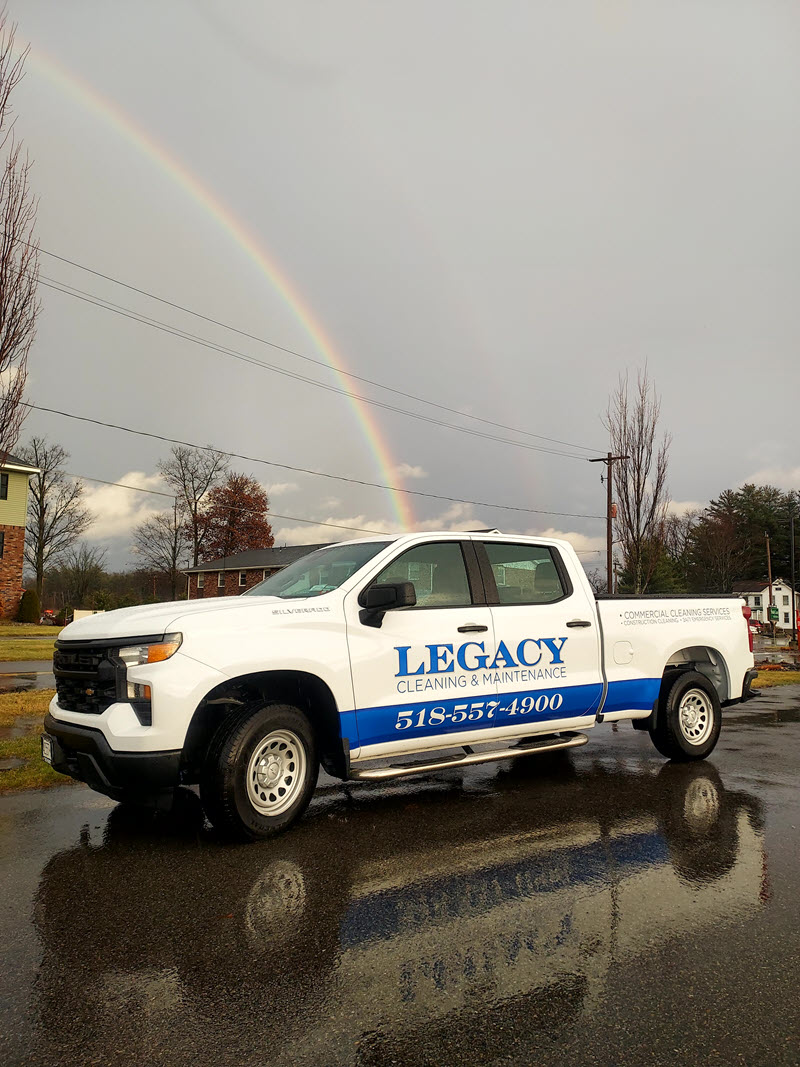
<point>136,655</point>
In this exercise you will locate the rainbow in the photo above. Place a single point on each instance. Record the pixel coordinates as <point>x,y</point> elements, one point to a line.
<point>135,135</point>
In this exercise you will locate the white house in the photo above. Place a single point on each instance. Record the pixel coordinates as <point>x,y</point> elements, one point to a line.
<point>756,596</point>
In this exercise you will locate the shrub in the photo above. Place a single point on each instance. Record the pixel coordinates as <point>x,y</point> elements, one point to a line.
<point>29,610</point>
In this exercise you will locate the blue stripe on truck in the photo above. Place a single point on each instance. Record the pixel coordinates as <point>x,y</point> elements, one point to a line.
<point>471,710</point>
<point>632,694</point>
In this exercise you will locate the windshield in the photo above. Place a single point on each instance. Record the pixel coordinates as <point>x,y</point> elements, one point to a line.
<point>318,572</point>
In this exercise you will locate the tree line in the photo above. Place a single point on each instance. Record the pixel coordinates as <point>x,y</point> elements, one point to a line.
<point>216,512</point>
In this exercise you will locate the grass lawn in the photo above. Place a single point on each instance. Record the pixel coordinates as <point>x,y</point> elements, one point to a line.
<point>767,679</point>
<point>34,648</point>
<point>22,714</point>
<point>27,629</point>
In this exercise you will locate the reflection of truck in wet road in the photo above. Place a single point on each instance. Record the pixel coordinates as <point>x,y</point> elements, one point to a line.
<point>371,655</point>
<point>507,913</point>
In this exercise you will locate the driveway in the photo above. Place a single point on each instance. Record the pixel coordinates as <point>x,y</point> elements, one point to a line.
<point>599,907</point>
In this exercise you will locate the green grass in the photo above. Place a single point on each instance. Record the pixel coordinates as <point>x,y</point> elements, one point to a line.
<point>27,629</point>
<point>768,679</point>
<point>35,648</point>
<point>34,772</point>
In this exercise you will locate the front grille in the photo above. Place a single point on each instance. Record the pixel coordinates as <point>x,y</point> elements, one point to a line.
<point>86,678</point>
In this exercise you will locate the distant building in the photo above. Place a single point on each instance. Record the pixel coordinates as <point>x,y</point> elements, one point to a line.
<point>14,476</point>
<point>756,596</point>
<point>236,574</point>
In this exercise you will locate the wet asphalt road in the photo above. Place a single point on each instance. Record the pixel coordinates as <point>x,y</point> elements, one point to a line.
<point>600,907</point>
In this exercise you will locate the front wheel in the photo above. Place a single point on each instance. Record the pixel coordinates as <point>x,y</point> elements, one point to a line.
<point>689,718</point>
<point>260,771</point>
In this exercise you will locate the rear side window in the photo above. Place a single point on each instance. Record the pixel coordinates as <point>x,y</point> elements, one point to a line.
<point>525,574</point>
<point>437,572</point>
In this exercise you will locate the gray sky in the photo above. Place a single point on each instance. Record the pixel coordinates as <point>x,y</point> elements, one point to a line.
<point>499,207</point>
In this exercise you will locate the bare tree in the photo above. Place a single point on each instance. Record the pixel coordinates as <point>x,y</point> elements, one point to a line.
<point>640,481</point>
<point>19,252</point>
<point>597,581</point>
<point>81,573</point>
<point>191,473</point>
<point>159,543</point>
<point>57,515</point>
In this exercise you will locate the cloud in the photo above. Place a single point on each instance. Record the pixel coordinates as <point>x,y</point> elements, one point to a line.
<point>781,477</point>
<point>345,528</point>
<point>455,517</point>
<point>117,510</point>
<point>590,549</point>
<point>683,507</point>
<point>407,470</point>
<point>279,488</point>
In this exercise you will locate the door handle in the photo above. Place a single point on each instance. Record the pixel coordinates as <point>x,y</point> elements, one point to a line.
<point>579,622</point>
<point>472,628</point>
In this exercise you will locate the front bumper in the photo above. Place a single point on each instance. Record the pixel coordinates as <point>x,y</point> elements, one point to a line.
<point>82,752</point>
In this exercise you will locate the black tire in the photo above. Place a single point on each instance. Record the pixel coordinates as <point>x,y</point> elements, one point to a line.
<point>243,799</point>
<point>672,735</point>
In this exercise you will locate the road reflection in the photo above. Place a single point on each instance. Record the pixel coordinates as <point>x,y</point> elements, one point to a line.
<point>390,924</point>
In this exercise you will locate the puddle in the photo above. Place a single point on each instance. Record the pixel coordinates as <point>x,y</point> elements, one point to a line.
<point>778,717</point>
<point>24,683</point>
<point>11,764</point>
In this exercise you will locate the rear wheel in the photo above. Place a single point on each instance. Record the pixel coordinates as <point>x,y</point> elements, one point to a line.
<point>260,771</point>
<point>689,717</point>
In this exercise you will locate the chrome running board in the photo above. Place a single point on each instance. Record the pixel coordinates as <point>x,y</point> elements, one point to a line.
<point>523,748</point>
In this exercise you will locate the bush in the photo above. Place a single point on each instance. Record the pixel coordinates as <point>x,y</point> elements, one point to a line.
<point>29,610</point>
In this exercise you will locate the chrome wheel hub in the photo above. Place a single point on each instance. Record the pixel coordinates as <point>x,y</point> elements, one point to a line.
<point>696,716</point>
<point>276,772</point>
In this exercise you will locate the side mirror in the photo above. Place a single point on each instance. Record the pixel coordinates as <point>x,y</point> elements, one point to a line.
<point>378,599</point>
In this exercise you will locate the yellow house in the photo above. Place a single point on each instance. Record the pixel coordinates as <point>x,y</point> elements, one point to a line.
<point>14,475</point>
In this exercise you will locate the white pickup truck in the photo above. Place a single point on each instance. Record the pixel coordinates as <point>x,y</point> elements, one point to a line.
<point>378,658</point>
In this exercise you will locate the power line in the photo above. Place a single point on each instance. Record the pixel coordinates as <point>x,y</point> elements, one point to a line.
<point>309,359</point>
<point>174,331</point>
<point>274,514</point>
<point>303,470</point>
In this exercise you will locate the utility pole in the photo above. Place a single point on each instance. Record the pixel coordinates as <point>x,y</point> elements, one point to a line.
<point>794,595</point>
<point>769,579</point>
<point>609,460</point>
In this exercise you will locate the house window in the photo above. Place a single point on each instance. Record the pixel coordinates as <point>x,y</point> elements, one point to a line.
<point>2,543</point>
<point>3,487</point>
<point>242,579</point>
<point>757,601</point>
<point>786,616</point>
<point>201,581</point>
<point>221,580</point>
<point>786,602</point>
<point>264,575</point>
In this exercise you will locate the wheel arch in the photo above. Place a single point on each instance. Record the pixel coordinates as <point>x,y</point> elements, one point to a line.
<point>301,688</point>
<point>707,661</point>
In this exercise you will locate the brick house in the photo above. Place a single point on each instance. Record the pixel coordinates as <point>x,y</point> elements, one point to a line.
<point>14,475</point>
<point>236,574</point>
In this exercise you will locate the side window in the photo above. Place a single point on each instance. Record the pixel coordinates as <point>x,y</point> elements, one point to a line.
<point>201,581</point>
<point>437,572</point>
<point>3,487</point>
<point>525,574</point>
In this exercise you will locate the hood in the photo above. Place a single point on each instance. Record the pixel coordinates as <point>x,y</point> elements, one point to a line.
<point>154,619</point>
